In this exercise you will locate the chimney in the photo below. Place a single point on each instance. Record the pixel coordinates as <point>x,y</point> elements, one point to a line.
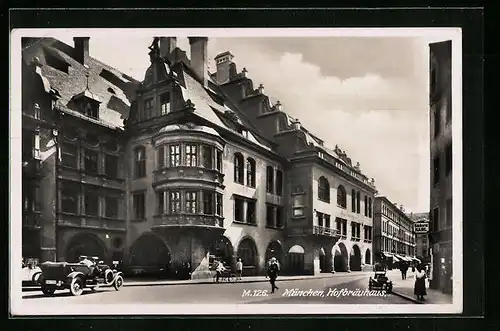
<point>223,62</point>
<point>81,48</point>
<point>167,45</point>
<point>199,62</point>
<point>261,89</point>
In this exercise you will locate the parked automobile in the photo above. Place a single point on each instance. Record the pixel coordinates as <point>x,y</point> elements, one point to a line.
<point>77,276</point>
<point>30,273</point>
<point>380,281</point>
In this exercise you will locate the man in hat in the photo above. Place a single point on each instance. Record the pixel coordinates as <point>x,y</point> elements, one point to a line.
<point>86,261</point>
<point>272,272</point>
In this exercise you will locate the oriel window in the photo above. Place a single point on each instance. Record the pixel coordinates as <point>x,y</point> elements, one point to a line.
<point>208,157</point>
<point>191,159</point>
<point>175,202</point>
<point>175,155</point>
<point>191,202</point>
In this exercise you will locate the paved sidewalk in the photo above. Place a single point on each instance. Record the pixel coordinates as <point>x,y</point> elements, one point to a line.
<point>404,289</point>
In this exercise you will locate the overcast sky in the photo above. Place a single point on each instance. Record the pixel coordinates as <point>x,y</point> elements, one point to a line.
<point>369,95</point>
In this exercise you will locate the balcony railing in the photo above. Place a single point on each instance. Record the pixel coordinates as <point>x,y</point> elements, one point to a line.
<point>324,231</point>
<point>86,221</point>
<point>188,220</point>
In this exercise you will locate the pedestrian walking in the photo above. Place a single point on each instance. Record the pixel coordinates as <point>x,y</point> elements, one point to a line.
<point>272,272</point>
<point>220,269</point>
<point>239,269</point>
<point>420,288</point>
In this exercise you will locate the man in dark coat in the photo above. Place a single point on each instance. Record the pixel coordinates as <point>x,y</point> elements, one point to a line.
<point>272,272</point>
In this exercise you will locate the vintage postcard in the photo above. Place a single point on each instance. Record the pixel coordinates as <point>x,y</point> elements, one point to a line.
<point>236,171</point>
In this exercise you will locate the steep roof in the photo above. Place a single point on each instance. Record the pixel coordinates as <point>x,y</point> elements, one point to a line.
<point>67,76</point>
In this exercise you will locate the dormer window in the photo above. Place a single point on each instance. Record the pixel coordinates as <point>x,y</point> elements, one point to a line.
<point>90,109</point>
<point>148,107</point>
<point>165,104</point>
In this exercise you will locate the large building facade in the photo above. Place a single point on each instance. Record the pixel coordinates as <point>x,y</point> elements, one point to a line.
<point>441,214</point>
<point>180,168</point>
<point>394,234</point>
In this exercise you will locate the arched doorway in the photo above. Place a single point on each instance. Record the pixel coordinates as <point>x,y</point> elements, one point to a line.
<point>274,249</point>
<point>368,257</point>
<point>340,258</point>
<point>355,259</point>
<point>222,249</point>
<point>85,244</point>
<point>296,260</point>
<point>247,252</point>
<point>150,254</point>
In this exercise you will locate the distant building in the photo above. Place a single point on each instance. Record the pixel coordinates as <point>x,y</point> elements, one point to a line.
<point>441,215</point>
<point>180,168</point>
<point>421,239</point>
<point>394,240</point>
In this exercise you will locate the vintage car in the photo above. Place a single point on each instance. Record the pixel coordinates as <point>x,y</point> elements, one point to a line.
<point>77,276</point>
<point>380,281</point>
<point>30,274</point>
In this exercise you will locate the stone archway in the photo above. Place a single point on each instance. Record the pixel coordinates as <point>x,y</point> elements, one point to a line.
<point>296,258</point>
<point>247,252</point>
<point>222,249</point>
<point>355,259</point>
<point>150,254</point>
<point>368,257</point>
<point>85,244</point>
<point>341,258</point>
<point>274,249</point>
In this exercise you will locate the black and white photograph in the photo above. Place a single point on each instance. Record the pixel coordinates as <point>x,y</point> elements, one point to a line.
<point>236,171</point>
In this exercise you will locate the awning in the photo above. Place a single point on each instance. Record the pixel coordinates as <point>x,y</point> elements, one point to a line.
<point>416,259</point>
<point>395,259</point>
<point>387,255</point>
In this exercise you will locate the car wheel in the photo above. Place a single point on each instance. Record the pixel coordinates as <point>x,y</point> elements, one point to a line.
<point>48,290</point>
<point>118,284</point>
<point>76,286</point>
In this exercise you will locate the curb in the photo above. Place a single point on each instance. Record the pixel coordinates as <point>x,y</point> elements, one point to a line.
<point>236,282</point>
<point>407,297</point>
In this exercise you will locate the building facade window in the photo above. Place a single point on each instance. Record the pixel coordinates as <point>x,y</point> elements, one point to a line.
<point>175,155</point>
<point>208,203</point>
<point>208,158</point>
<point>218,204</point>
<point>341,225</point>
<point>191,202</point>
<point>298,205</point>
<point>91,200</point>
<point>269,179</point>
<point>218,156</point>
<point>251,212</point>
<point>69,198</point>
<point>358,202</point>
<point>279,182</point>
<point>366,206</point>
<point>239,204</point>
<point>191,153</point>
<point>140,161</point>
<point>251,172</point>
<point>436,170</point>
<point>279,217</point>
<point>270,215</point>
<point>165,103</point>
<point>238,168</point>
<point>448,155</point>
<point>148,108</point>
<point>160,197</point>
<point>69,155</point>
<point>341,197</point>
<point>91,161</point>
<point>111,206</point>
<point>174,202</point>
<point>353,201</point>
<point>323,189</point>
<point>139,205</point>
<point>160,157</point>
<point>111,166</point>
<point>370,207</point>
<point>435,219</point>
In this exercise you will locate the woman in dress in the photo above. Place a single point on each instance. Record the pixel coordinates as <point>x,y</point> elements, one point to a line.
<point>420,290</point>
